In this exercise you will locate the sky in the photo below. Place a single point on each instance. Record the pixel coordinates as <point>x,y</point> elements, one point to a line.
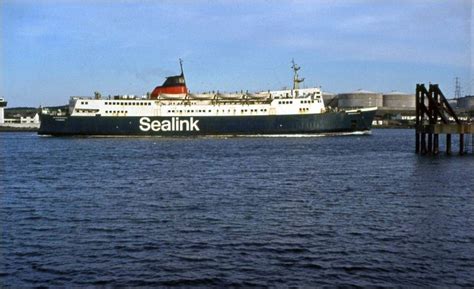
<point>51,50</point>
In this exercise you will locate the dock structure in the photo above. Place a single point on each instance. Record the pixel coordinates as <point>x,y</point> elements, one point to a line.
<point>434,116</point>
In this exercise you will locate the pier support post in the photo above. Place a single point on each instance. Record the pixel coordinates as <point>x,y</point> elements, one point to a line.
<point>436,144</point>
<point>423,144</point>
<point>417,143</point>
<point>430,143</point>
<point>472,143</point>
<point>461,144</point>
<point>448,144</point>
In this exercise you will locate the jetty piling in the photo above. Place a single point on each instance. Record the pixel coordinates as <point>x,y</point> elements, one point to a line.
<point>434,116</point>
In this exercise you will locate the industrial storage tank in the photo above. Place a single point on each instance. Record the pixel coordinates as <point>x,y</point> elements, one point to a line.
<point>453,102</point>
<point>360,98</point>
<point>466,102</point>
<point>330,99</point>
<point>399,100</point>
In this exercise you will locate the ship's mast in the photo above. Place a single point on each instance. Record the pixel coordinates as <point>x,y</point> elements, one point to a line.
<point>296,80</point>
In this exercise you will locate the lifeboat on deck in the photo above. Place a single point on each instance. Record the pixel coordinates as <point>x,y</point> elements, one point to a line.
<point>172,96</point>
<point>203,96</point>
<point>230,96</point>
<point>257,96</point>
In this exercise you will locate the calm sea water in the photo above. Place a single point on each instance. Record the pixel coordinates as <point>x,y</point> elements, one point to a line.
<point>221,212</point>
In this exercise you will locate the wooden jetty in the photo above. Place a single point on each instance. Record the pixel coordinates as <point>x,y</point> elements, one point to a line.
<point>434,116</point>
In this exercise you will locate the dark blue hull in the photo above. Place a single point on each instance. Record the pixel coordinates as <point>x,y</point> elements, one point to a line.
<point>207,125</point>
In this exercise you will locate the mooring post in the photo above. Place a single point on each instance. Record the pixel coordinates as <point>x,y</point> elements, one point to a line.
<point>436,144</point>
<point>448,144</point>
<point>461,144</point>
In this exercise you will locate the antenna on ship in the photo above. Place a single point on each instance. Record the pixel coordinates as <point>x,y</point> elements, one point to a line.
<point>181,65</point>
<point>296,80</point>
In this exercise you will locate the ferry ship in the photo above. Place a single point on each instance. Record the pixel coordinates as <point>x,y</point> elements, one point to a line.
<point>171,110</point>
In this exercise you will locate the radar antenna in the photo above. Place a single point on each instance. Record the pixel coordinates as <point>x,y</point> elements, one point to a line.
<point>296,80</point>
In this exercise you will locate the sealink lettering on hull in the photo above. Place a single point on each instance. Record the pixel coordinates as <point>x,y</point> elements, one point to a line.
<point>173,124</point>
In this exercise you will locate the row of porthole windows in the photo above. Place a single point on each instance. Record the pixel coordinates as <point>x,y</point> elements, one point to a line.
<point>192,111</point>
<point>84,102</point>
<point>126,103</point>
<point>304,109</point>
<point>115,111</point>
<point>291,102</point>
<point>181,103</point>
<point>254,110</point>
<point>200,111</point>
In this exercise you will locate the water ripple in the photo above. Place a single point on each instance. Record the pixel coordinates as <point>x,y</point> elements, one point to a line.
<point>353,211</point>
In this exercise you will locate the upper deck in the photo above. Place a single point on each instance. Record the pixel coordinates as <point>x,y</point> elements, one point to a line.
<point>276,103</point>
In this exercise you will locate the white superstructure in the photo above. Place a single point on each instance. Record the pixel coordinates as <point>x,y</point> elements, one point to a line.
<point>281,102</point>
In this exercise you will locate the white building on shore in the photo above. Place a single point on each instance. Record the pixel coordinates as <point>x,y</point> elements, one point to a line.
<point>3,104</point>
<point>26,121</point>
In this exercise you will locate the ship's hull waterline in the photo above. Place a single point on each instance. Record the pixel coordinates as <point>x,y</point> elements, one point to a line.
<point>329,122</point>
